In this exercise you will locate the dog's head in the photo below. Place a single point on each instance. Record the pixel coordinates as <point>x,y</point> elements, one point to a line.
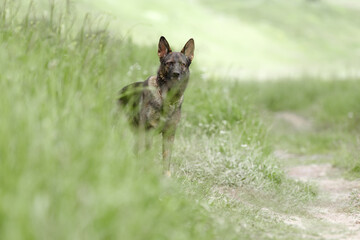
<point>174,67</point>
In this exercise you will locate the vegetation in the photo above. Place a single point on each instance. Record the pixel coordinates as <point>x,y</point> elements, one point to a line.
<point>68,170</point>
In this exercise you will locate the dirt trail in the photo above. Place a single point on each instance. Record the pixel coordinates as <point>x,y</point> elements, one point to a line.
<point>334,200</point>
<point>333,207</point>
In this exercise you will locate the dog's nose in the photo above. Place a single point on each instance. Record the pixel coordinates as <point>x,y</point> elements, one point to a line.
<point>176,74</point>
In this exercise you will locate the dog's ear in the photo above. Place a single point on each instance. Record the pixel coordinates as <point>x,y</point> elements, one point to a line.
<point>164,47</point>
<point>188,49</point>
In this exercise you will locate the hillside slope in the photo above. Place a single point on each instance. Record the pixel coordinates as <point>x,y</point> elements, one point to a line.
<point>261,39</point>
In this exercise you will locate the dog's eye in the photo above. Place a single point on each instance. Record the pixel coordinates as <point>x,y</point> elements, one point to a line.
<point>170,63</point>
<point>183,64</point>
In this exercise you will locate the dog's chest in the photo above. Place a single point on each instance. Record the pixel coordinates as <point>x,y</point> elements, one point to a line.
<point>155,109</point>
<point>151,104</point>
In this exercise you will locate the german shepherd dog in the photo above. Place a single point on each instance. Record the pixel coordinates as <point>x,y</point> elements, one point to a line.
<point>156,102</point>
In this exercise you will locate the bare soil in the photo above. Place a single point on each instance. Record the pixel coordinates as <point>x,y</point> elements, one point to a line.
<point>333,208</point>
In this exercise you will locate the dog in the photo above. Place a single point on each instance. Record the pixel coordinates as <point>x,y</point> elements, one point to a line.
<point>156,102</point>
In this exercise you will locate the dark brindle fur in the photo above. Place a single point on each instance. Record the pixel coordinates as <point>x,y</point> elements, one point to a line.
<point>156,102</point>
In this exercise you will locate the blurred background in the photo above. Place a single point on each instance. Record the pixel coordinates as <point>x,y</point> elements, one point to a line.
<point>244,38</point>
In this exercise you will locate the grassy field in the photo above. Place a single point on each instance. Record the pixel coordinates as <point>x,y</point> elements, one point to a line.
<point>241,39</point>
<point>329,111</point>
<point>68,170</point>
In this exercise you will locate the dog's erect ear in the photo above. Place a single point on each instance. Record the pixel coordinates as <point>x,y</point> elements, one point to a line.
<point>164,47</point>
<point>188,49</point>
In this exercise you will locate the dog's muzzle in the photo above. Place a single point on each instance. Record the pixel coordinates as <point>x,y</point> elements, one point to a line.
<point>175,75</point>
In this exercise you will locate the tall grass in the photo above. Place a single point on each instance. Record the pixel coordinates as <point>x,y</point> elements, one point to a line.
<point>67,166</point>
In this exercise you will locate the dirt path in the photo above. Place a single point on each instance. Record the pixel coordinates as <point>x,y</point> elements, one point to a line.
<point>333,206</point>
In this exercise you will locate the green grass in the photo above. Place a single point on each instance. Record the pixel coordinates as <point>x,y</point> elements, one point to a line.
<point>304,29</point>
<point>67,167</point>
<point>260,39</point>
<point>332,108</point>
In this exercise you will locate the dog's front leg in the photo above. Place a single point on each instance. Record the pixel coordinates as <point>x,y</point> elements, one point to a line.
<point>140,142</point>
<point>142,134</point>
<point>168,141</point>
